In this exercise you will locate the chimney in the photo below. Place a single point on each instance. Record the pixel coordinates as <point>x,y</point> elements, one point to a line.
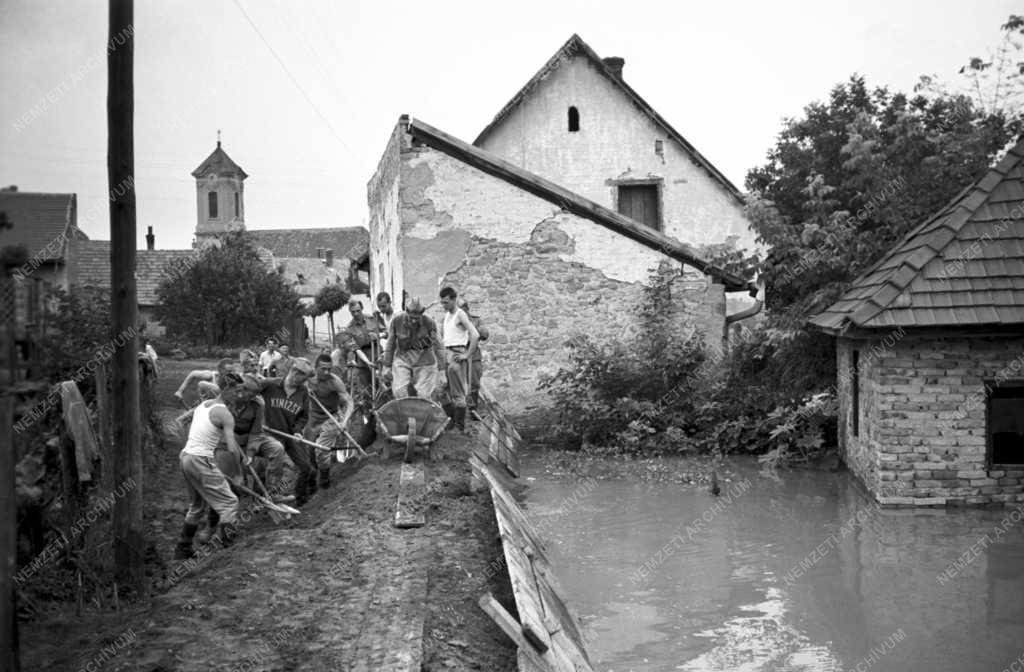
<point>615,64</point>
<point>150,239</point>
<point>328,258</point>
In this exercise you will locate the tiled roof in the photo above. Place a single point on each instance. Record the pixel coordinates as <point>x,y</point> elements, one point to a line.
<point>576,45</point>
<point>573,202</point>
<point>92,267</point>
<point>964,266</point>
<point>219,163</point>
<point>347,243</point>
<point>39,222</point>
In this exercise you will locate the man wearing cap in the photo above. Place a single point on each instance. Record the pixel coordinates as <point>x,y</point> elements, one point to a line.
<point>356,343</point>
<point>459,337</point>
<point>476,361</point>
<point>286,405</point>
<point>413,352</point>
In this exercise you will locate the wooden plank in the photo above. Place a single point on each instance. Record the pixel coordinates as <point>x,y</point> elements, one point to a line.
<point>499,494</point>
<point>412,491</point>
<point>521,576</point>
<point>79,425</point>
<point>511,627</point>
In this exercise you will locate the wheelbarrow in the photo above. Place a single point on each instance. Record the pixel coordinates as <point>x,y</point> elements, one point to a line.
<point>412,421</point>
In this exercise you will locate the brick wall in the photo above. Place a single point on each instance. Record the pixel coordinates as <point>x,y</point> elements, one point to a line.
<point>922,438</point>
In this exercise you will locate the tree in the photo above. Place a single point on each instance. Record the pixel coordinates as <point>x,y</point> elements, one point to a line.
<point>225,296</point>
<point>845,182</point>
<point>330,299</point>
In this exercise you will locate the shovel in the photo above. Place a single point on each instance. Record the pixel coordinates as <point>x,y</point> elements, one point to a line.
<point>340,427</point>
<point>275,515</point>
<point>267,504</point>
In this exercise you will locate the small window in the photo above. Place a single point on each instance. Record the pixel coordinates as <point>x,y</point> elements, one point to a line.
<point>1005,423</point>
<point>238,211</point>
<point>855,393</point>
<point>574,120</point>
<point>212,197</point>
<point>640,202</point>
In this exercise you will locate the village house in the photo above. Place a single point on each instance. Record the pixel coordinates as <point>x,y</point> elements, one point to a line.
<point>550,223</point>
<point>930,348</point>
<point>308,258</point>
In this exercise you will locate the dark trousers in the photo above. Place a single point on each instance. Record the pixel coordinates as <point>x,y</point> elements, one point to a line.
<point>304,467</point>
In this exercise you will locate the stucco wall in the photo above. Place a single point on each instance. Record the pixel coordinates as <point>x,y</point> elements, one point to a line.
<point>226,220</point>
<point>616,141</point>
<point>535,274</point>
<point>382,197</point>
<point>923,431</point>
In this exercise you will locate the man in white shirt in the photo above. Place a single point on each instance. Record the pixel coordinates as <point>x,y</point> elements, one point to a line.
<point>459,338</point>
<point>269,359</point>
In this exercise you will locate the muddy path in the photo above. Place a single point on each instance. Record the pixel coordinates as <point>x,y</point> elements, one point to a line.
<point>336,588</point>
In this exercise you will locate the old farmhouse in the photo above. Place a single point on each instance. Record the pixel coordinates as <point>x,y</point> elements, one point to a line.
<point>550,222</point>
<point>931,354</point>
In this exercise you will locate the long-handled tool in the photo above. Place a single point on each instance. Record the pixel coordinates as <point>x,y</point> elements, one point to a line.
<point>268,504</point>
<point>340,426</point>
<point>275,515</point>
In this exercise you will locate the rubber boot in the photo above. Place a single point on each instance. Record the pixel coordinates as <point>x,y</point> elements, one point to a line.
<point>205,534</point>
<point>226,533</point>
<point>324,478</point>
<point>301,489</point>
<point>459,418</point>
<point>184,550</point>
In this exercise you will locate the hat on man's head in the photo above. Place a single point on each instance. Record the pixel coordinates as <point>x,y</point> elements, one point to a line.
<point>414,306</point>
<point>302,365</point>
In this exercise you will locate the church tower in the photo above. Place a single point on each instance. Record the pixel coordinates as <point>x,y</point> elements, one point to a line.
<point>220,196</point>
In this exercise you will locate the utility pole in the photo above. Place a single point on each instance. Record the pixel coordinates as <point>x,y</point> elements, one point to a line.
<point>129,543</point>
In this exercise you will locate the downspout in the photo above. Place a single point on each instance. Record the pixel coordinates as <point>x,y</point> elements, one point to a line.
<point>758,285</point>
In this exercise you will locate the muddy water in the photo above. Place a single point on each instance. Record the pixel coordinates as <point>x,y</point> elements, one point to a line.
<point>803,573</point>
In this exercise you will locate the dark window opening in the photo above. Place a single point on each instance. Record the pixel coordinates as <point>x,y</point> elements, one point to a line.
<point>640,202</point>
<point>574,120</point>
<point>1005,423</point>
<point>855,393</point>
<point>212,197</point>
<point>237,208</point>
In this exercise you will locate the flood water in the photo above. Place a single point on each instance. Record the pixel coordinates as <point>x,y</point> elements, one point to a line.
<point>804,573</point>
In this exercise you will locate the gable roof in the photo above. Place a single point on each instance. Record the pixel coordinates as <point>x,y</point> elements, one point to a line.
<point>347,242</point>
<point>962,267</point>
<point>43,223</point>
<point>92,268</point>
<point>572,202</point>
<point>219,163</point>
<point>576,46</point>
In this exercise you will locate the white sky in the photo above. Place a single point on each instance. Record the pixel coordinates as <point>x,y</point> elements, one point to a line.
<point>723,73</point>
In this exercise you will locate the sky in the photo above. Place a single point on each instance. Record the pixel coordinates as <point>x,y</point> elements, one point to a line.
<point>307,92</point>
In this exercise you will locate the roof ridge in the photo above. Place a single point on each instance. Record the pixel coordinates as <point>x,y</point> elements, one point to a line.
<point>577,42</point>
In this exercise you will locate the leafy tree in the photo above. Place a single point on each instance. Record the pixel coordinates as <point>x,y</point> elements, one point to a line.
<point>225,296</point>
<point>330,299</point>
<point>845,182</point>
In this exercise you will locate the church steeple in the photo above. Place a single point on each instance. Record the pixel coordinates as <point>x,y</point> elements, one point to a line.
<point>220,196</point>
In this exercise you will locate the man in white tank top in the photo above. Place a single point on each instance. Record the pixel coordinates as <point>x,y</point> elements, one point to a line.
<point>205,484</point>
<point>459,337</point>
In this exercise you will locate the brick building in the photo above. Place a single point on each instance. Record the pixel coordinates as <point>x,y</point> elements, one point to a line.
<point>931,354</point>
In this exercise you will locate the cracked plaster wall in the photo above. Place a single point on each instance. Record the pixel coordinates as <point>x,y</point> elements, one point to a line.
<point>535,274</point>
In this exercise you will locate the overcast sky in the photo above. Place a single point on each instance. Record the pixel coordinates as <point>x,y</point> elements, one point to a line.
<point>309,133</point>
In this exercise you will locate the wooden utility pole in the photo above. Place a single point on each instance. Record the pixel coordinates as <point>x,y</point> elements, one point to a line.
<point>8,538</point>
<point>129,544</point>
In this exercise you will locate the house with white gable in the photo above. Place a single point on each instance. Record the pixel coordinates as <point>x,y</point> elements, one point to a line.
<point>550,222</point>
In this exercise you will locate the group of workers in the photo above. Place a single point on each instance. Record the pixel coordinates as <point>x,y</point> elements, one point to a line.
<point>264,411</point>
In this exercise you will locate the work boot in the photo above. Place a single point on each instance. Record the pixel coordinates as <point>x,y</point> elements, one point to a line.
<point>205,534</point>
<point>324,478</point>
<point>227,533</point>
<point>184,550</point>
